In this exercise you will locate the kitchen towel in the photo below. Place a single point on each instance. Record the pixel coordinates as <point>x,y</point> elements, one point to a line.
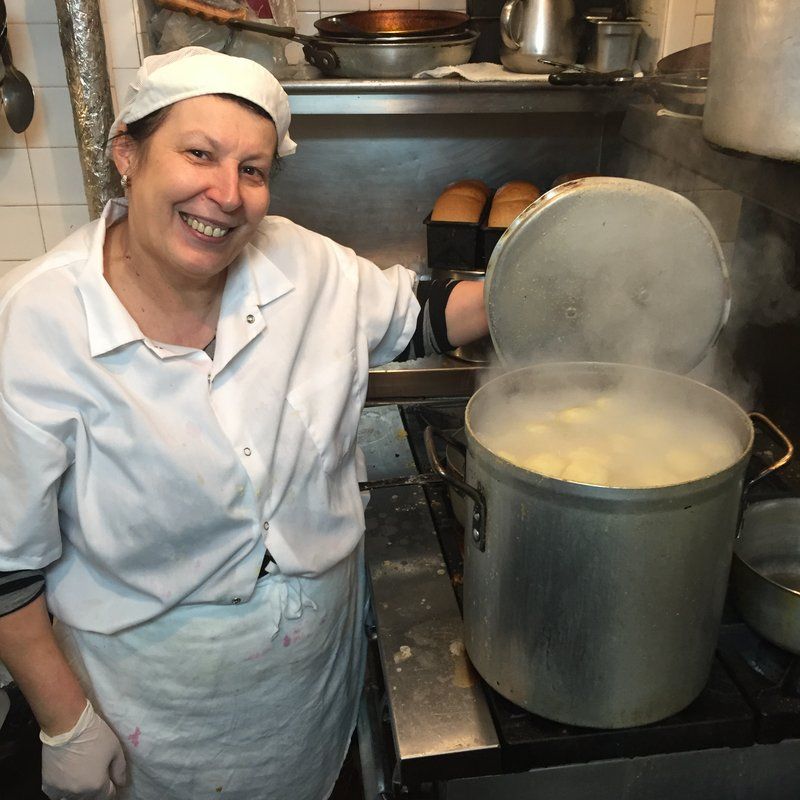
<point>480,72</point>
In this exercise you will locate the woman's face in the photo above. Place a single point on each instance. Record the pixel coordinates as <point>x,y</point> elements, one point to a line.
<point>199,185</point>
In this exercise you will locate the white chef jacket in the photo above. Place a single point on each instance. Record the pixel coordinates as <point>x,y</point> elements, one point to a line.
<point>143,476</point>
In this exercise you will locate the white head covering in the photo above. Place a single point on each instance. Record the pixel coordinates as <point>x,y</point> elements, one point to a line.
<point>193,71</point>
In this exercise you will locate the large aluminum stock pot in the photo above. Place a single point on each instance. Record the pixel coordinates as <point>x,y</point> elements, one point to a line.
<point>585,602</point>
<point>594,605</point>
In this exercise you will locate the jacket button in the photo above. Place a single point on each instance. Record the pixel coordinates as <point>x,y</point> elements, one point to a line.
<point>251,319</point>
<point>236,600</point>
<point>247,451</point>
<point>266,526</point>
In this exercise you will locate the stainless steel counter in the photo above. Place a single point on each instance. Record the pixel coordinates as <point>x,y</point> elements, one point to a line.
<point>433,376</point>
<point>437,706</point>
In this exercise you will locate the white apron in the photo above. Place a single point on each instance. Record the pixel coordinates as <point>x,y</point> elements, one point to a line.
<point>239,702</point>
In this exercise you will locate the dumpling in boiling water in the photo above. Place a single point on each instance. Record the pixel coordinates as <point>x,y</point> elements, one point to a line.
<point>719,452</point>
<point>537,428</point>
<point>687,464</point>
<point>605,402</point>
<point>576,415</point>
<point>621,443</point>
<point>546,464</point>
<point>587,453</point>
<point>586,470</point>
<point>649,427</point>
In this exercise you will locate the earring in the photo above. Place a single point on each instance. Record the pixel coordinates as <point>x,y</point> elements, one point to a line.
<point>124,182</point>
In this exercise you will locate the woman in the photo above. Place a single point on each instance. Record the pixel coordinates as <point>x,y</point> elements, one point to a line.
<point>181,383</point>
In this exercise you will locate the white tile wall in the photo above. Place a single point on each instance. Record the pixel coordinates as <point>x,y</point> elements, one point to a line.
<point>31,10</point>
<point>60,221</point>
<point>20,232</point>
<point>52,124</point>
<point>689,22</point>
<point>16,180</point>
<point>671,25</point>
<point>41,185</point>
<point>703,28</point>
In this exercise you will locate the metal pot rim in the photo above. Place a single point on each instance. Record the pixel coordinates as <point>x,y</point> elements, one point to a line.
<point>606,492</point>
<point>436,42</point>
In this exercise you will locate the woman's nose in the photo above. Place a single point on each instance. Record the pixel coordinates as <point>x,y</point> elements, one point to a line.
<point>224,187</point>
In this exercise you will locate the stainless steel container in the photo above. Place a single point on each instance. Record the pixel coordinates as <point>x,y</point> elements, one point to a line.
<point>534,29</point>
<point>592,605</point>
<point>753,96</point>
<point>611,44</point>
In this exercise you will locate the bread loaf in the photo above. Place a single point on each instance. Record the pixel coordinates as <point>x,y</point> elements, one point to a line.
<point>503,213</point>
<point>509,201</point>
<point>517,190</point>
<point>461,201</point>
<point>457,208</point>
<point>477,189</point>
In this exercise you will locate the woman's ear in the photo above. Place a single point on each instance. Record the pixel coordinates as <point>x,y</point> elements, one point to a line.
<point>123,150</point>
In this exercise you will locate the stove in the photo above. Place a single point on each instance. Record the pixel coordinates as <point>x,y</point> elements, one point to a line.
<point>443,732</point>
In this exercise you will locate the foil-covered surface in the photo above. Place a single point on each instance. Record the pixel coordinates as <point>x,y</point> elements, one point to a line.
<point>82,41</point>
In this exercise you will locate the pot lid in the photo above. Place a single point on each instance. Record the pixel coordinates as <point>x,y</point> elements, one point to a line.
<point>608,269</point>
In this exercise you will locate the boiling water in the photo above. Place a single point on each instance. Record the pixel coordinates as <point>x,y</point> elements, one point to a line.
<point>609,439</point>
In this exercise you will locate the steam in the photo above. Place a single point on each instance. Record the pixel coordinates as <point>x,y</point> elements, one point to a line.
<point>609,425</point>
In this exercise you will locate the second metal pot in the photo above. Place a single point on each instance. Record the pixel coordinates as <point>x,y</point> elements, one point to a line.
<point>766,571</point>
<point>753,102</point>
<point>342,58</point>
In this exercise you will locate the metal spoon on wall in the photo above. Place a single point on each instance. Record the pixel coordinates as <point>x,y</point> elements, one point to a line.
<point>16,93</point>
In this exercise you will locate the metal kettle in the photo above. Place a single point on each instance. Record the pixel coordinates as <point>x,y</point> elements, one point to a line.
<point>534,29</point>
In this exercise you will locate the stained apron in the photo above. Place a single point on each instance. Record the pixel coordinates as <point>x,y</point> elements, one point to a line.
<point>242,702</point>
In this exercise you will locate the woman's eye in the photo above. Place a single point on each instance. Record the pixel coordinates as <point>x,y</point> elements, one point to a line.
<point>253,172</point>
<point>197,153</point>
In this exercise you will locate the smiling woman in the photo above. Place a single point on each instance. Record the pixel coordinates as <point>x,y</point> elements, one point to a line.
<point>180,387</point>
<point>196,197</point>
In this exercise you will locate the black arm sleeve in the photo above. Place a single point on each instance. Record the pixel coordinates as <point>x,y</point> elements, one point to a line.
<point>19,588</point>
<point>430,335</point>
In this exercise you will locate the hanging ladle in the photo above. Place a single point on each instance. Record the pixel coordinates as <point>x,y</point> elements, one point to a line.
<point>16,93</point>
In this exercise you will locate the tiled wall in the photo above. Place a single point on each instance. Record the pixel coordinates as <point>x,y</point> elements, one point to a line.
<point>41,188</point>
<point>671,25</point>
<point>689,22</point>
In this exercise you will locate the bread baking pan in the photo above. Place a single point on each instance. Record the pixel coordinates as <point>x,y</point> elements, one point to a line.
<point>488,239</point>
<point>454,245</point>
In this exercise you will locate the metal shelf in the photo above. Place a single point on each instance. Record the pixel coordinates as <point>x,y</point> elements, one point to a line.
<point>445,96</point>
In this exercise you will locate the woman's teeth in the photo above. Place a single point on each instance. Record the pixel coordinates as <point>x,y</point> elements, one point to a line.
<point>202,227</point>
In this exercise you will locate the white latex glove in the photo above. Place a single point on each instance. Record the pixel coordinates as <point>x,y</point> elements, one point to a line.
<point>86,763</point>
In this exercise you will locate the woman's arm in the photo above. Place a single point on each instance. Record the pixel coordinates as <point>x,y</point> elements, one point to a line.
<point>29,650</point>
<point>465,313</point>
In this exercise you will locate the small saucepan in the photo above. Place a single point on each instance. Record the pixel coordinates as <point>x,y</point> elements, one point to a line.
<point>765,577</point>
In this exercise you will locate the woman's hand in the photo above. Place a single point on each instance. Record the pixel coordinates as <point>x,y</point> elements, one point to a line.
<point>465,314</point>
<point>85,763</point>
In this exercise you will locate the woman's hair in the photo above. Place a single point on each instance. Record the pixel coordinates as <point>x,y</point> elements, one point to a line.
<point>141,130</point>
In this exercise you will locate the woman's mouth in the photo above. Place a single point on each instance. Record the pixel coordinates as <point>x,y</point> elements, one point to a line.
<point>203,227</point>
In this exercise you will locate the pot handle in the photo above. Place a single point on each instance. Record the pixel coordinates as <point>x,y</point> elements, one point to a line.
<point>756,417</point>
<point>462,487</point>
<point>505,25</point>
